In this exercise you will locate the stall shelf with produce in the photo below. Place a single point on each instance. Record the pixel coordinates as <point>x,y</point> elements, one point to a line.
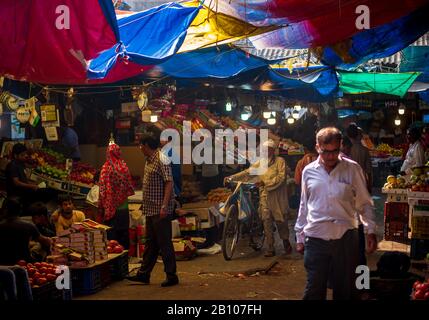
<point>50,167</point>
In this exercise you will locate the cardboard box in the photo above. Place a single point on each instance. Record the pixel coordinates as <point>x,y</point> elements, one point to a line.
<point>207,213</point>
<point>189,222</point>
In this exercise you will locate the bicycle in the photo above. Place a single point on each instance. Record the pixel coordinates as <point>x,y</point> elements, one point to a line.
<point>242,217</point>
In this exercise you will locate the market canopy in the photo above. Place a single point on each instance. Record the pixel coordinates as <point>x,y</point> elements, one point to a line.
<point>308,23</point>
<point>388,83</point>
<point>37,44</point>
<point>379,42</point>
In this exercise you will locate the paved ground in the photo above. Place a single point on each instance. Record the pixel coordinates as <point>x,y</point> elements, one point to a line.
<point>211,277</point>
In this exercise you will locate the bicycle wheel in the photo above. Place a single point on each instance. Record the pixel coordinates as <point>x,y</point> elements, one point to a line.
<point>230,232</point>
<point>257,235</point>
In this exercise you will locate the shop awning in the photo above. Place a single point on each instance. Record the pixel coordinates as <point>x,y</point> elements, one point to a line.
<point>146,38</point>
<point>308,23</point>
<point>388,83</point>
<point>37,45</point>
<point>379,42</point>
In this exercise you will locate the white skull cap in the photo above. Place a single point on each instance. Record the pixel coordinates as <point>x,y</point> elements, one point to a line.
<point>269,144</point>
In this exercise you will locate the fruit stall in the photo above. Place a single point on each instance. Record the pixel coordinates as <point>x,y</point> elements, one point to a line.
<point>406,211</point>
<point>50,167</point>
<point>386,161</point>
<point>92,260</point>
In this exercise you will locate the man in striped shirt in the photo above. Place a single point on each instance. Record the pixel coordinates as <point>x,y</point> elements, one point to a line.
<point>157,207</point>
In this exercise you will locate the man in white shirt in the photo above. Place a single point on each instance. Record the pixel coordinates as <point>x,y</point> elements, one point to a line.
<point>416,154</point>
<point>333,191</point>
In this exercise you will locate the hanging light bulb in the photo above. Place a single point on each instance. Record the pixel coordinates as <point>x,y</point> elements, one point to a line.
<point>397,121</point>
<point>297,107</point>
<point>401,109</point>
<point>266,114</point>
<point>245,116</point>
<point>154,118</point>
<point>290,120</point>
<point>228,106</point>
<point>271,121</point>
<point>295,115</point>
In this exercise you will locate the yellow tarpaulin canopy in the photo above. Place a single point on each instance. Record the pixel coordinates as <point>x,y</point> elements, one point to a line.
<point>210,28</point>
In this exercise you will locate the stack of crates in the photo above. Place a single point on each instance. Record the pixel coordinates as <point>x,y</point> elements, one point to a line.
<point>396,211</point>
<point>419,232</point>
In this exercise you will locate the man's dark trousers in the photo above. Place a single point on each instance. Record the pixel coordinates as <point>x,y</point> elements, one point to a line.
<point>334,259</point>
<point>158,238</point>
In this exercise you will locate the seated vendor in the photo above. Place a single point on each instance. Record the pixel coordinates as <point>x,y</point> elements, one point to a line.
<point>65,216</point>
<point>17,234</point>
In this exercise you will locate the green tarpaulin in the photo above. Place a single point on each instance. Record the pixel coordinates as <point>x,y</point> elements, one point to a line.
<point>390,83</point>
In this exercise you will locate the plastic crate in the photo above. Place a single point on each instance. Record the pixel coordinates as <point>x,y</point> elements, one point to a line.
<point>105,275</point>
<point>86,281</point>
<point>419,249</point>
<point>48,291</point>
<point>396,231</point>
<point>396,211</point>
<point>392,289</point>
<point>420,227</point>
<point>119,267</point>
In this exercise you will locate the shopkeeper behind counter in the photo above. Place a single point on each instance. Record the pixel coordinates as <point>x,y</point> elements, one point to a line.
<point>416,155</point>
<point>17,184</point>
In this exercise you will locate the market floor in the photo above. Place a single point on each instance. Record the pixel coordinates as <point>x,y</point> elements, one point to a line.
<point>243,278</point>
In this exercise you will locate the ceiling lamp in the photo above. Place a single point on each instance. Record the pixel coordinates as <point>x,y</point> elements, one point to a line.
<point>245,116</point>
<point>295,114</point>
<point>297,107</point>
<point>266,114</point>
<point>153,118</point>
<point>290,120</point>
<point>271,121</point>
<point>397,121</point>
<point>228,106</point>
<point>401,109</point>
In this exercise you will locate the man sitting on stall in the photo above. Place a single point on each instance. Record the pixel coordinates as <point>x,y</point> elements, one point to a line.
<point>65,216</point>
<point>17,234</point>
<point>17,184</point>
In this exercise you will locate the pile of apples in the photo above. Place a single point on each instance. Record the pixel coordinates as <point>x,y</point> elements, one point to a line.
<point>83,173</point>
<point>114,247</point>
<point>39,273</point>
<point>420,290</point>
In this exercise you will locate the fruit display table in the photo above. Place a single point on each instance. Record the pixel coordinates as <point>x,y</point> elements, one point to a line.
<point>61,185</point>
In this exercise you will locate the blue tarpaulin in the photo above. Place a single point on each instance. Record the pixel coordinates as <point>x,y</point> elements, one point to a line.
<point>215,62</point>
<point>146,38</point>
<point>416,58</point>
<point>382,41</point>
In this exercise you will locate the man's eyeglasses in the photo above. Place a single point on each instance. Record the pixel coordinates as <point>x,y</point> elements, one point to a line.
<point>329,152</point>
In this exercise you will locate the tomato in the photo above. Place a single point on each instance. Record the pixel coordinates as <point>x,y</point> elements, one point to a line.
<point>51,277</point>
<point>30,265</point>
<point>416,284</point>
<point>113,243</point>
<point>37,275</point>
<point>31,271</point>
<point>118,249</point>
<point>22,263</point>
<point>44,264</point>
<point>43,269</point>
<point>37,265</point>
<point>424,287</point>
<point>426,297</point>
<point>419,295</point>
<point>42,281</point>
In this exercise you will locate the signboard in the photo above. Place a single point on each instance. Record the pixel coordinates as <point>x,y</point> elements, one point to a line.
<point>49,112</point>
